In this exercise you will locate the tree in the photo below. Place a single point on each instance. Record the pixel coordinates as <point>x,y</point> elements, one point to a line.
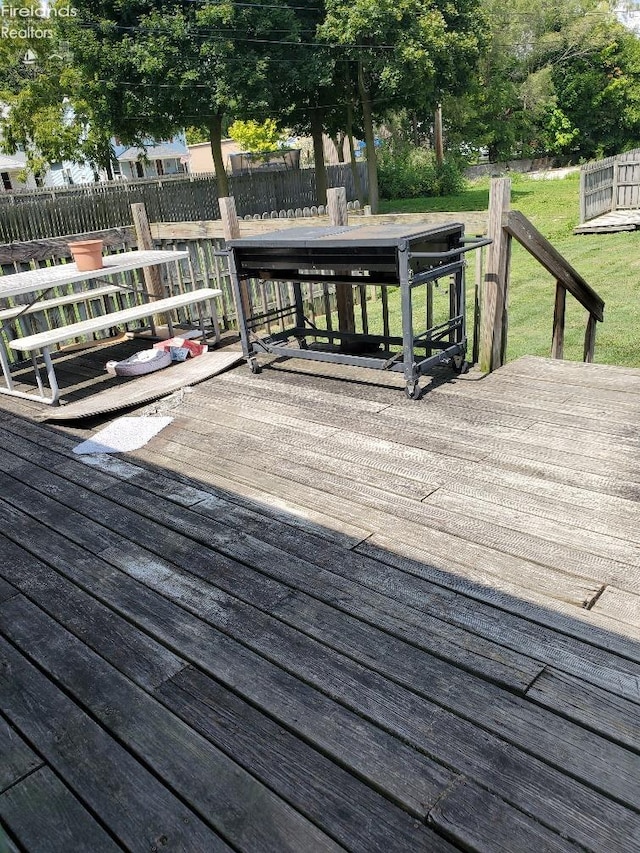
<point>599,92</point>
<point>404,53</point>
<point>555,78</point>
<point>50,112</point>
<point>184,63</point>
<point>256,137</point>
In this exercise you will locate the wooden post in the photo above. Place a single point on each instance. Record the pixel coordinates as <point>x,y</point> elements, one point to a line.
<point>337,210</point>
<point>337,206</point>
<point>557,342</point>
<point>583,195</point>
<point>229,217</point>
<point>494,293</point>
<point>590,339</point>
<point>231,231</point>
<point>152,276</point>
<point>614,188</point>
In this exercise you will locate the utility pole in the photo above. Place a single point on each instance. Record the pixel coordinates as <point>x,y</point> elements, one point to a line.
<point>438,136</point>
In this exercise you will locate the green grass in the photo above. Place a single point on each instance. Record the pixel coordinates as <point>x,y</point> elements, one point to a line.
<point>609,262</point>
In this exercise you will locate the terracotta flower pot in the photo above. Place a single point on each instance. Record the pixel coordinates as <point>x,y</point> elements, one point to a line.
<point>87,254</point>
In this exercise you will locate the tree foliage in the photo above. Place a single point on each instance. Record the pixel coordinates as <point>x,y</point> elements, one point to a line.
<point>162,68</point>
<point>256,137</point>
<point>518,79</point>
<point>556,78</point>
<point>403,53</point>
<point>50,112</point>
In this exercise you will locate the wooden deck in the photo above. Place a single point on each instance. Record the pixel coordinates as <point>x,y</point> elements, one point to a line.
<point>311,615</point>
<point>616,220</point>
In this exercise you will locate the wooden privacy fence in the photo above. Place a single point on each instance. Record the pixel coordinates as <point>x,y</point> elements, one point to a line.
<point>34,214</point>
<point>505,225</point>
<point>610,184</point>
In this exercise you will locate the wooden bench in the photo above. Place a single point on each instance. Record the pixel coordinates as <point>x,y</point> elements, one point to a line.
<point>43,341</point>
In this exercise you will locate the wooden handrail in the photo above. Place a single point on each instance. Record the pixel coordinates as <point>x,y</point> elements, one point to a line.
<point>503,226</point>
<point>518,226</point>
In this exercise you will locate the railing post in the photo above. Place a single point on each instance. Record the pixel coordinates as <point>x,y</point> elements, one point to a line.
<point>229,218</point>
<point>493,337</point>
<point>557,342</point>
<point>338,215</point>
<point>152,275</point>
<point>590,339</point>
<point>477,296</point>
<point>231,231</point>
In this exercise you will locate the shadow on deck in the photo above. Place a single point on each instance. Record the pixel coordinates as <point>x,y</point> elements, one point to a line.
<point>312,615</point>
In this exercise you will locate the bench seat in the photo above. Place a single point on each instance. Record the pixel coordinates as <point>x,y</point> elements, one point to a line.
<point>43,340</point>
<point>67,299</point>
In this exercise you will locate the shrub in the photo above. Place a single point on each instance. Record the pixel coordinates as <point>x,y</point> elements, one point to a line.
<point>406,172</point>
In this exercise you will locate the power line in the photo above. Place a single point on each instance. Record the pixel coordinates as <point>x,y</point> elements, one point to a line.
<point>202,34</point>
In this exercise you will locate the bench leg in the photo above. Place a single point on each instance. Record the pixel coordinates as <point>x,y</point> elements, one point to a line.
<point>36,370</point>
<point>27,395</point>
<point>203,331</point>
<point>214,320</point>
<point>51,375</point>
<point>6,367</point>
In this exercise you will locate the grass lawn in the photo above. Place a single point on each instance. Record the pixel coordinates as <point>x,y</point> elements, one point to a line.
<point>609,262</point>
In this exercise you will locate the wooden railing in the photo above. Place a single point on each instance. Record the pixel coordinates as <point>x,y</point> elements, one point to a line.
<point>567,279</point>
<point>205,267</point>
<point>505,225</point>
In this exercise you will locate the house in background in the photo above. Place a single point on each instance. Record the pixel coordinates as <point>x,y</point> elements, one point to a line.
<point>10,168</point>
<point>69,173</point>
<point>155,159</point>
<point>201,159</point>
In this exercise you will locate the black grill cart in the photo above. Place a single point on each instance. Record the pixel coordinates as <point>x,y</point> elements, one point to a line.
<point>405,261</point>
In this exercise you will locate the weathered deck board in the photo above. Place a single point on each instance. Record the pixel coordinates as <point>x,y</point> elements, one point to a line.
<point>18,759</point>
<point>43,814</point>
<point>135,806</point>
<point>620,604</point>
<point>304,618</point>
<point>241,809</point>
<point>409,718</point>
<point>478,821</point>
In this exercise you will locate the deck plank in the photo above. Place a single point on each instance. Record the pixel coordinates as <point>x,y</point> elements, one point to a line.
<point>599,710</point>
<point>549,648</point>
<point>358,816</point>
<point>388,625</point>
<point>18,759</point>
<point>43,814</point>
<point>408,717</point>
<point>137,808</point>
<point>405,776</point>
<point>240,808</point>
<point>479,821</point>
<point>330,795</point>
<point>249,550</point>
<point>620,604</point>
